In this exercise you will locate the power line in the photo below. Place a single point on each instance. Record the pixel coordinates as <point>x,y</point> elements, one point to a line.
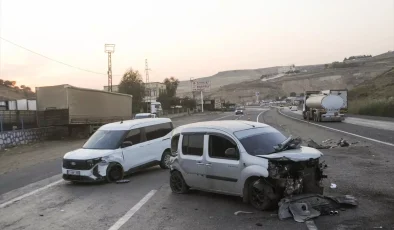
<point>60,62</point>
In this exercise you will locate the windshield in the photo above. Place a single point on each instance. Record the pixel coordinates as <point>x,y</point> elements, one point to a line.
<point>260,141</point>
<point>105,139</point>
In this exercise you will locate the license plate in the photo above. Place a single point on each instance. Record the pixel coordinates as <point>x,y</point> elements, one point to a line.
<point>73,172</point>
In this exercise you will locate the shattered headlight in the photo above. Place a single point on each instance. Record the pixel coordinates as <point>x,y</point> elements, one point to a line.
<point>93,162</point>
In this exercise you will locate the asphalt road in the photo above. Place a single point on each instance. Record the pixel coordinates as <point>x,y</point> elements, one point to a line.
<point>374,133</point>
<point>364,170</point>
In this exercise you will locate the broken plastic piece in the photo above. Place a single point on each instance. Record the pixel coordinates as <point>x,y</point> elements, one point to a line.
<point>313,144</point>
<point>343,143</point>
<point>241,212</point>
<point>302,212</point>
<point>122,181</point>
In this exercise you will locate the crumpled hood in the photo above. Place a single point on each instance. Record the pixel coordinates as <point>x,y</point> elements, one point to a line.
<point>301,154</point>
<point>85,154</point>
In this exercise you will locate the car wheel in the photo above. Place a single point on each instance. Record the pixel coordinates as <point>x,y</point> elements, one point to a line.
<point>258,197</point>
<point>165,160</point>
<point>114,173</point>
<point>177,183</point>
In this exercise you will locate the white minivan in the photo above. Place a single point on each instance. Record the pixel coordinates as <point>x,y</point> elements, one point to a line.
<point>120,148</point>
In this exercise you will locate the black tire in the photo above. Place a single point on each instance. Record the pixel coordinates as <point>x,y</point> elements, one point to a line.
<point>177,183</point>
<point>165,160</point>
<point>258,199</point>
<point>114,173</point>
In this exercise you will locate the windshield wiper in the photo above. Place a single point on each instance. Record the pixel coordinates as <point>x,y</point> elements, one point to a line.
<point>289,143</point>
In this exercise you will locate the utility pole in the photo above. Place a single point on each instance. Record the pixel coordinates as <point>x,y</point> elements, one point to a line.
<point>191,87</point>
<point>109,49</point>
<point>147,84</point>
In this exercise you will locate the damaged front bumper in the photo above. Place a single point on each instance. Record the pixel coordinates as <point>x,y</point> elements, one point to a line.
<point>288,178</point>
<point>95,174</point>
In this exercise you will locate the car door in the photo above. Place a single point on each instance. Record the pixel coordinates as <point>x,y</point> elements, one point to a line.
<point>134,155</point>
<point>223,171</point>
<point>192,161</point>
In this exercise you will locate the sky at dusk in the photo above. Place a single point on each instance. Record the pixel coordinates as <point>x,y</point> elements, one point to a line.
<point>183,38</point>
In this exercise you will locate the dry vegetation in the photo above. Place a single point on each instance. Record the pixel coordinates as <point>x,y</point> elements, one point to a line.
<point>374,97</point>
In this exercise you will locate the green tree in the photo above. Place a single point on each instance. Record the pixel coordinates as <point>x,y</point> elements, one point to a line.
<point>1,81</point>
<point>302,94</point>
<point>23,86</point>
<point>171,86</point>
<point>132,84</point>
<point>293,94</point>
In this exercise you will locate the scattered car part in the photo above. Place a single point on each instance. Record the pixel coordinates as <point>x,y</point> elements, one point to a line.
<point>242,212</point>
<point>323,204</point>
<point>122,181</point>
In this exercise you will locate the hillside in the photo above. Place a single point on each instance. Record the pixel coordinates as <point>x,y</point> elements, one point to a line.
<point>380,87</point>
<point>374,97</point>
<point>241,85</point>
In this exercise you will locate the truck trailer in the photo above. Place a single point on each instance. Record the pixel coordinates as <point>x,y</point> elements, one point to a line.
<point>85,109</point>
<point>340,92</point>
<point>322,107</point>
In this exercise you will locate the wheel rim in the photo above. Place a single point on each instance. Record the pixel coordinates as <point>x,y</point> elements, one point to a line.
<point>176,183</point>
<point>115,173</point>
<point>167,160</point>
<point>257,197</point>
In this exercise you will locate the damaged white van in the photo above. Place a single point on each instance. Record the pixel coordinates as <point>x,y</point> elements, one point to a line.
<point>120,148</point>
<point>242,158</point>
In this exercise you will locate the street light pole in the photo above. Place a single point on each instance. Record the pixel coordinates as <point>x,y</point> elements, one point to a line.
<point>109,49</point>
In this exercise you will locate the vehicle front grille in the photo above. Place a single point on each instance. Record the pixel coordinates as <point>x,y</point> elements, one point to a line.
<point>76,164</point>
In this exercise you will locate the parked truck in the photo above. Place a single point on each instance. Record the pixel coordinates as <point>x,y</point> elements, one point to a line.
<point>322,107</point>
<point>80,108</point>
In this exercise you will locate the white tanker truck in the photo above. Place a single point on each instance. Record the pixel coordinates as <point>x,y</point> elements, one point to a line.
<point>322,107</point>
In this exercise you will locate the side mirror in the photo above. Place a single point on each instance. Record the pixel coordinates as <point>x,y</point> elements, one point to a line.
<point>231,153</point>
<point>126,144</point>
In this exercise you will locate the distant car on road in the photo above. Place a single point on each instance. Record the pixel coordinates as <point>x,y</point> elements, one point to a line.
<point>144,115</point>
<point>120,148</point>
<point>293,108</point>
<point>239,112</point>
<point>247,159</point>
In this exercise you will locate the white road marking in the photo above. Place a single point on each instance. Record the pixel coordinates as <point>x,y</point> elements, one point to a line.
<point>132,211</point>
<point>258,116</point>
<point>30,193</point>
<point>337,130</point>
<point>310,224</point>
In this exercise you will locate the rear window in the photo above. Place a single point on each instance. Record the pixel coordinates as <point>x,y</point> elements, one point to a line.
<point>156,131</point>
<point>105,139</point>
<point>260,141</point>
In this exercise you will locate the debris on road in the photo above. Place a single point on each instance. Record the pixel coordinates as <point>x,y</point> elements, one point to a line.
<point>343,143</point>
<point>326,141</point>
<point>313,144</point>
<point>304,207</point>
<point>122,181</point>
<point>242,212</point>
<point>333,186</point>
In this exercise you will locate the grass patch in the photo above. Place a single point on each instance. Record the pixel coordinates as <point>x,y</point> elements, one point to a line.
<point>372,107</point>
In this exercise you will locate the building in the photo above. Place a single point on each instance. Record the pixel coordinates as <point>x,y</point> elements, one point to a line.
<point>285,69</point>
<point>152,90</point>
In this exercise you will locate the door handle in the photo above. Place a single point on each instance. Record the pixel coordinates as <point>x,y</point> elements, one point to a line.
<point>200,163</point>
<point>208,164</point>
